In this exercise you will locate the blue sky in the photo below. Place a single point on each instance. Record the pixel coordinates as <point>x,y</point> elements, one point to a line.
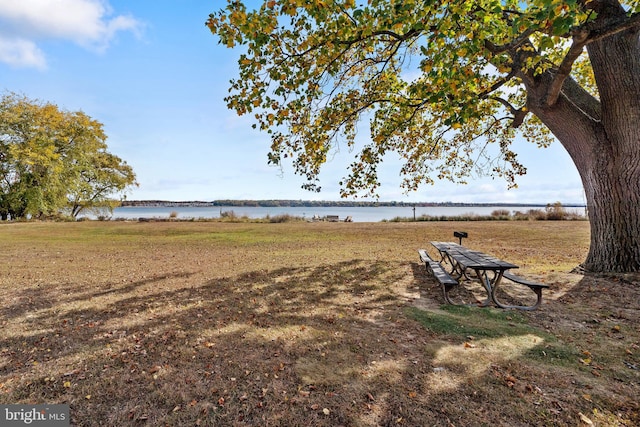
<point>155,76</point>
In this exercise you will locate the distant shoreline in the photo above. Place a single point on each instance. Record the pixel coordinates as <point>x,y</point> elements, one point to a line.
<point>323,203</point>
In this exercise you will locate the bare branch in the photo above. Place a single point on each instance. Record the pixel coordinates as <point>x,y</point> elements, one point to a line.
<point>518,113</point>
<point>518,42</point>
<point>498,84</point>
<point>342,9</point>
<point>579,42</point>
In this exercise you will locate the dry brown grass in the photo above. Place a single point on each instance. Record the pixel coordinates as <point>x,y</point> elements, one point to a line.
<point>315,324</point>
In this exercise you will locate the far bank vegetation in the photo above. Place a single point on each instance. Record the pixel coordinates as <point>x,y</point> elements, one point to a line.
<point>552,212</point>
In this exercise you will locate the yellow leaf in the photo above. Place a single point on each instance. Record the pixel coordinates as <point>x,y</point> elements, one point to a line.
<point>67,384</point>
<point>585,419</point>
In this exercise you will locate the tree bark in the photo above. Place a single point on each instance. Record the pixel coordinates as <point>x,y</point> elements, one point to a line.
<point>613,187</point>
<point>603,139</point>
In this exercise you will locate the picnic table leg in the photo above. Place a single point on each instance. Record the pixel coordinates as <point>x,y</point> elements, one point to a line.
<point>456,270</point>
<point>486,283</point>
<point>537,291</point>
<point>446,258</point>
<point>446,289</point>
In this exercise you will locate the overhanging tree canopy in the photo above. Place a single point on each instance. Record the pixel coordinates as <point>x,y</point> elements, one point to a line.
<point>442,81</point>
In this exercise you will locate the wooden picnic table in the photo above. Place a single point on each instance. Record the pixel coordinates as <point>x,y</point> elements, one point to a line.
<point>488,269</point>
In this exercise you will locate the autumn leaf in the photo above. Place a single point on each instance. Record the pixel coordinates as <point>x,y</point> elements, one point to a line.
<point>585,420</point>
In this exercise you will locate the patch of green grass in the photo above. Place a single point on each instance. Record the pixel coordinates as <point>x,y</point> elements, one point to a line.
<point>478,322</point>
<point>461,322</point>
<point>557,353</point>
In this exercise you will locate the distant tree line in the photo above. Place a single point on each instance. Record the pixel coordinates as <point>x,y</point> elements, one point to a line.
<point>313,203</point>
<point>55,163</point>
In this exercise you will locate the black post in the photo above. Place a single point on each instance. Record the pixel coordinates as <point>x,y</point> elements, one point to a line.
<point>460,235</point>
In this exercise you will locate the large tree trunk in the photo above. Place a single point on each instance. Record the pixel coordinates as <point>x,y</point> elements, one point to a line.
<point>613,187</point>
<point>614,213</point>
<point>603,139</point>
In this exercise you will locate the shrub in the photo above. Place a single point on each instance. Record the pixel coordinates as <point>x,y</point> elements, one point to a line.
<point>501,214</point>
<point>537,214</point>
<point>228,214</point>
<point>284,218</point>
<point>556,211</point>
<point>521,216</point>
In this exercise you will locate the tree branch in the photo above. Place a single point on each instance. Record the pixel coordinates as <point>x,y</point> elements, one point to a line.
<point>618,26</point>
<point>579,42</point>
<point>582,37</point>
<point>519,41</point>
<point>498,84</point>
<point>518,113</point>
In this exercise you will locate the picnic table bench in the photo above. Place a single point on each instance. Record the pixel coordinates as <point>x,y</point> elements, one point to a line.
<point>439,273</point>
<point>470,264</point>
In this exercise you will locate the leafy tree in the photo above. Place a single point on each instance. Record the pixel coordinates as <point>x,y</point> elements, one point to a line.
<point>54,161</point>
<point>448,85</point>
<point>92,173</point>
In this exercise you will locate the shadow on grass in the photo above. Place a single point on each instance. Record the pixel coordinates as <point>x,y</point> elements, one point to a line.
<point>581,361</point>
<point>277,345</point>
<point>330,345</point>
<point>29,300</point>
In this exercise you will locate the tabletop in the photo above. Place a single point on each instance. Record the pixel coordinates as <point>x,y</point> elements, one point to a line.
<point>469,258</point>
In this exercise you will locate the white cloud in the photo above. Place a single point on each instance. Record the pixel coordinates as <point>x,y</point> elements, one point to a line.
<point>88,23</point>
<point>21,53</point>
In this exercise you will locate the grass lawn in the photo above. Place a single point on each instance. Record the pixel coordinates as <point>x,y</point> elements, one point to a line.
<point>308,324</point>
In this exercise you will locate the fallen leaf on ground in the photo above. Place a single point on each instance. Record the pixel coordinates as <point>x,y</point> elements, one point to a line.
<point>585,420</point>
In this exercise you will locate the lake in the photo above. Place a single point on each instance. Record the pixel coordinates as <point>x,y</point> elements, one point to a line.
<point>358,214</point>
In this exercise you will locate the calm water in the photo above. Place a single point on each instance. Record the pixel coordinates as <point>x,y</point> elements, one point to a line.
<point>358,214</point>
